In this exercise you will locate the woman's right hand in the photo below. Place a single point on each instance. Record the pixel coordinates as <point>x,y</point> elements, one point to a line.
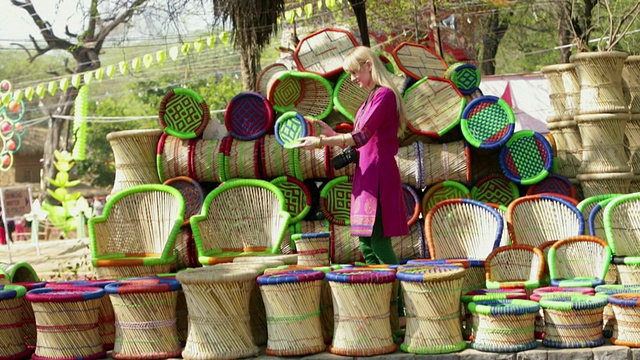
<point>324,128</point>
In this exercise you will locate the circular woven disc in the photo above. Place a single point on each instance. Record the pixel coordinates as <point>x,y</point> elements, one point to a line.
<point>289,128</point>
<point>191,192</point>
<point>488,122</point>
<point>495,188</point>
<point>248,116</point>
<point>296,195</point>
<point>526,158</point>
<point>183,113</point>
<point>335,200</point>
<point>465,76</point>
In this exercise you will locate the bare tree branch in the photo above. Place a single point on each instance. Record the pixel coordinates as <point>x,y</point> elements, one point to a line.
<point>124,17</point>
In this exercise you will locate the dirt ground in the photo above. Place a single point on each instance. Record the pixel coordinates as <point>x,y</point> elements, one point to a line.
<point>57,260</point>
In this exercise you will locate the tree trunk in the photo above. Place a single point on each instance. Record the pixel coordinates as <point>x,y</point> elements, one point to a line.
<point>495,32</point>
<point>250,67</point>
<point>564,32</point>
<point>360,10</point>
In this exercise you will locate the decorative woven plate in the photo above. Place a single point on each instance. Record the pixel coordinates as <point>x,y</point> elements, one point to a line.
<point>348,96</point>
<point>434,106</point>
<point>495,188</point>
<point>248,116</point>
<point>554,184</point>
<point>307,93</point>
<point>322,52</point>
<point>335,200</point>
<point>465,76</point>
<point>191,192</point>
<point>183,113</point>
<point>266,74</point>
<point>411,204</point>
<point>442,191</point>
<point>526,158</point>
<point>290,127</point>
<point>418,61</point>
<point>297,197</point>
<point>488,122</point>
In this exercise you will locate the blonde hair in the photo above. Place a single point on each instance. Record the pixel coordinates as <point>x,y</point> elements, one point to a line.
<point>379,74</point>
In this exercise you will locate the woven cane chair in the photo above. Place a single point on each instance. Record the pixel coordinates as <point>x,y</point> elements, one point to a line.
<point>462,229</point>
<point>622,229</point>
<point>243,217</point>
<point>514,267</point>
<point>135,235</point>
<point>579,261</point>
<point>585,206</point>
<point>595,221</point>
<point>535,219</point>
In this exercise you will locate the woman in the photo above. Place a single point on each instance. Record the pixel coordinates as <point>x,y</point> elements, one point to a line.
<point>377,208</point>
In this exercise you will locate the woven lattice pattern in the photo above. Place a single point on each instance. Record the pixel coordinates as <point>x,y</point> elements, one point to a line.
<point>306,93</point>
<point>418,61</point>
<point>535,219</point>
<point>433,106</point>
<point>525,158</point>
<point>296,195</point>
<point>184,113</point>
<point>488,122</point>
<point>554,184</point>
<point>579,259</point>
<point>134,155</point>
<point>335,201</point>
<point>496,189</point>
<point>462,230</point>
<point>443,191</point>
<point>504,325</point>
<point>248,116</point>
<point>517,264</point>
<point>290,127</point>
<point>466,78</point>
<point>323,51</point>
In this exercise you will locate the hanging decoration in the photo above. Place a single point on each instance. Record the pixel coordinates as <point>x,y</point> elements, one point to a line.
<point>12,128</point>
<point>81,107</point>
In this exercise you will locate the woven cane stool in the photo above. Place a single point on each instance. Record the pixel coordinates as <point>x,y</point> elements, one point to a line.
<point>361,312</point>
<point>148,329</point>
<point>626,308</point>
<point>292,303</point>
<point>218,301</point>
<point>504,325</point>
<point>553,292</point>
<point>470,320</point>
<point>28,318</point>
<point>609,322</point>
<point>12,345</point>
<point>106,317</point>
<point>573,321</point>
<point>312,248</point>
<point>67,323</point>
<point>432,302</point>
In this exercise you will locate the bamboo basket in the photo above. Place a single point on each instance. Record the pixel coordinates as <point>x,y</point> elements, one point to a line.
<point>470,320</point>
<point>28,317</point>
<point>432,301</point>
<point>218,302</point>
<point>244,159</point>
<point>631,83</point>
<point>627,314</point>
<point>134,155</point>
<point>564,90</point>
<point>514,267</point>
<point>74,310</point>
<point>440,162</point>
<point>504,325</point>
<point>12,345</point>
<point>553,292</point>
<point>609,322</point>
<point>266,74</point>
<point>292,303</point>
<point>600,78</point>
<point>605,183</point>
<point>440,114</point>
<point>573,321</point>
<point>361,312</point>
<point>148,330</point>
<point>208,161</point>
<point>603,143</point>
<point>106,316</point>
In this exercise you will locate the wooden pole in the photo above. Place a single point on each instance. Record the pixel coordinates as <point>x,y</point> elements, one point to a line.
<point>436,30</point>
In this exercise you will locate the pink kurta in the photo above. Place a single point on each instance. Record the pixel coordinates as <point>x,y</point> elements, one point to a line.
<point>376,173</point>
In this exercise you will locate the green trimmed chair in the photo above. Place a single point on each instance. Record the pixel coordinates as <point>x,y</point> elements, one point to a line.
<point>622,228</point>
<point>243,217</point>
<point>135,235</point>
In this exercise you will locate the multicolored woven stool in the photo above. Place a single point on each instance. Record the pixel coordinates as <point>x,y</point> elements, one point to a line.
<point>28,317</point>
<point>183,113</point>
<point>526,158</point>
<point>292,301</point>
<point>147,330</point>
<point>495,188</point>
<point>488,122</point>
<point>504,325</point>
<point>394,315</point>
<point>465,76</point>
<point>248,116</point>
<point>312,249</point>
<point>106,317</point>
<point>552,292</point>
<point>418,61</point>
<point>432,301</point>
<point>12,345</point>
<point>469,319</point>
<point>361,311</point>
<point>67,323</point>
<point>322,52</point>
<point>626,308</point>
<point>218,301</point>
<point>609,322</point>
<point>573,321</point>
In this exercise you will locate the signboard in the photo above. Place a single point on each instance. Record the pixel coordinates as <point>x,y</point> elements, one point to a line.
<point>17,201</point>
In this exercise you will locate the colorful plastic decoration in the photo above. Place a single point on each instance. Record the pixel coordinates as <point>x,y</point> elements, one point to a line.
<point>12,128</point>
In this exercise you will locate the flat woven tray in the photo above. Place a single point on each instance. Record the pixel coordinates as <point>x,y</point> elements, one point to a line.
<point>526,158</point>
<point>322,52</point>
<point>418,61</point>
<point>488,122</point>
<point>465,76</point>
<point>183,113</point>
<point>248,116</point>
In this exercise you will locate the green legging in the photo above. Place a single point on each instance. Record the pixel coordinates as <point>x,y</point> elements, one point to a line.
<point>377,249</point>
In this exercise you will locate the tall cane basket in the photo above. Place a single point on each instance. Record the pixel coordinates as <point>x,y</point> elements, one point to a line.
<point>600,77</point>
<point>134,155</point>
<point>12,345</point>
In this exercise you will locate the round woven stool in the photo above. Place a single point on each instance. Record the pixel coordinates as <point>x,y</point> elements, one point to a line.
<point>573,321</point>
<point>432,302</point>
<point>67,323</point>
<point>292,303</point>
<point>504,325</point>
<point>146,330</point>
<point>394,315</point>
<point>218,301</point>
<point>134,153</point>
<point>626,308</point>
<point>28,318</point>
<point>553,292</point>
<point>609,322</point>
<point>361,312</point>
<point>470,321</point>
<point>106,318</point>
<point>12,344</point>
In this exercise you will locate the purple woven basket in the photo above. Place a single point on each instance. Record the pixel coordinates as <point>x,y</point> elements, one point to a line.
<point>249,116</point>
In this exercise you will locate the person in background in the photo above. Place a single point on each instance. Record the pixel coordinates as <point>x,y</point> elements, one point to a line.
<point>377,207</point>
<point>98,206</point>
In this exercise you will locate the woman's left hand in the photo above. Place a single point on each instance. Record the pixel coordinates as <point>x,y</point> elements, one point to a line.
<point>307,143</point>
